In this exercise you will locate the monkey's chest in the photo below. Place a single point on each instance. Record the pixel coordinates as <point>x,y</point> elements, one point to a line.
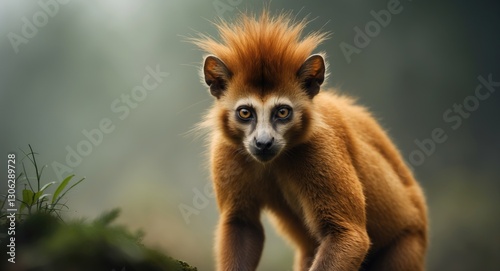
<point>292,201</point>
<point>285,199</point>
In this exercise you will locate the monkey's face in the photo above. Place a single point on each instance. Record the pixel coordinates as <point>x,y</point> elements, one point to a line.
<point>264,112</point>
<point>264,125</point>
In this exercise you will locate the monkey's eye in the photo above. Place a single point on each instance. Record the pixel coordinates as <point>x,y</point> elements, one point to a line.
<point>283,112</point>
<point>245,114</point>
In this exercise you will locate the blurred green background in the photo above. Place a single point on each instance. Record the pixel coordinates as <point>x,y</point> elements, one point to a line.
<point>69,70</point>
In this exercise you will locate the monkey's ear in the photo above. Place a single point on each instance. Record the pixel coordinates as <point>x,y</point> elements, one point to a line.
<point>216,75</point>
<point>312,74</point>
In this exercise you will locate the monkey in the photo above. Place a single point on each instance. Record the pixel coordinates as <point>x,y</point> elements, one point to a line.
<point>314,160</point>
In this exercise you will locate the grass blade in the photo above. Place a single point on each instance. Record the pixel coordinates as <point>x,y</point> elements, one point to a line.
<point>61,187</point>
<point>28,197</point>
<point>53,205</point>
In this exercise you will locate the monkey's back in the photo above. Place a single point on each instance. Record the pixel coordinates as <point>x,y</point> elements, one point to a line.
<point>395,203</point>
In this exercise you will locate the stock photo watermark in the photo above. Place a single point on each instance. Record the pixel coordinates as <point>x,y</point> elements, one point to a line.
<point>363,36</point>
<point>11,207</point>
<point>30,26</point>
<point>200,199</point>
<point>199,202</point>
<point>121,107</point>
<point>223,6</point>
<point>453,117</point>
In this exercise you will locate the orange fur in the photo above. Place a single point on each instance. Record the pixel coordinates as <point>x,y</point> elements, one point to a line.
<point>336,185</point>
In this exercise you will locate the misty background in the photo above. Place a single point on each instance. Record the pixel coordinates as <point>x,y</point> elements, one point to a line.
<point>72,74</point>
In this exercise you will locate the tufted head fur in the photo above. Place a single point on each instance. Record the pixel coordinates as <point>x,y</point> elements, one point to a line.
<point>263,66</point>
<point>265,52</point>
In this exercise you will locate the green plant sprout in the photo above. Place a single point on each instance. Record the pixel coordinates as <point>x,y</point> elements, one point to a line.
<point>35,199</point>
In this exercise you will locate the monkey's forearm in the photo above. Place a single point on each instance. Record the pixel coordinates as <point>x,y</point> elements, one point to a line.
<point>240,245</point>
<point>341,252</point>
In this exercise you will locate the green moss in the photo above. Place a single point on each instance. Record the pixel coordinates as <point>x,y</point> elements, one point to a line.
<point>43,242</point>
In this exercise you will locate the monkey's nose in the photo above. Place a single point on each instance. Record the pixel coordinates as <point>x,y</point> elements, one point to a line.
<point>263,144</point>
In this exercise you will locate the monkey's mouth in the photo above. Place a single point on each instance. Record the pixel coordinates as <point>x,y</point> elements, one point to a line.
<point>263,155</point>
